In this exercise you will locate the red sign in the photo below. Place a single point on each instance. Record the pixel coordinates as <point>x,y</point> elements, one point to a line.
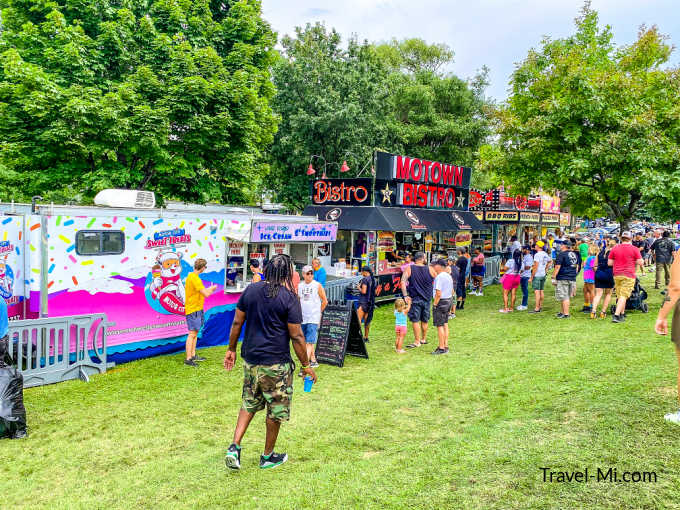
<point>430,172</point>
<point>424,195</point>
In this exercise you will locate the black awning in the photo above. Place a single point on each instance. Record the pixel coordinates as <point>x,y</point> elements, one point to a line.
<point>396,219</point>
<point>350,217</point>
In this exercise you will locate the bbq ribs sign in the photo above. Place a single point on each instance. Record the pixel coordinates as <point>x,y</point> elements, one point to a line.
<point>419,183</point>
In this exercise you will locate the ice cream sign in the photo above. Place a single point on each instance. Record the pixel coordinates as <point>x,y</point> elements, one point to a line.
<point>168,238</point>
<point>293,232</point>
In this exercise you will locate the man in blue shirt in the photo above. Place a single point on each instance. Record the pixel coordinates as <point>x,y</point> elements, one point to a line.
<point>319,272</point>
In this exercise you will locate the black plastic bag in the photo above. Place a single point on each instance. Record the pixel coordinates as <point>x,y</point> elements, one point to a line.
<point>12,410</point>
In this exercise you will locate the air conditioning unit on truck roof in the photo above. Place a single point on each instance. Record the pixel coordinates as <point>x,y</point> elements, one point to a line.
<point>126,198</point>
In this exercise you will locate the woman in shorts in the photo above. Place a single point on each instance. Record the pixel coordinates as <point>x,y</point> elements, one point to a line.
<point>604,280</point>
<point>477,272</point>
<point>511,280</point>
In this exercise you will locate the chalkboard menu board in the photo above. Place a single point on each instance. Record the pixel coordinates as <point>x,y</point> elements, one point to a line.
<point>339,334</point>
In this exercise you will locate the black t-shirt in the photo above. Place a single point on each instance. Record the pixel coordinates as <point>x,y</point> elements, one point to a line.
<point>266,340</point>
<point>640,244</point>
<point>369,297</point>
<point>462,263</point>
<point>568,262</point>
<point>663,249</point>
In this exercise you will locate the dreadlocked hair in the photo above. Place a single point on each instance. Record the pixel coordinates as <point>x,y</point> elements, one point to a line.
<point>278,274</point>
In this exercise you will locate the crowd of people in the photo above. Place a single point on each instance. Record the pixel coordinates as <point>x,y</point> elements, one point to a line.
<point>281,307</point>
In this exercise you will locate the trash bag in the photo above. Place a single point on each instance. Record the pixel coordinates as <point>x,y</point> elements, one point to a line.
<point>12,410</point>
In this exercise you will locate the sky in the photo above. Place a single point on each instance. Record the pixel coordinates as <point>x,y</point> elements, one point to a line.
<point>495,33</point>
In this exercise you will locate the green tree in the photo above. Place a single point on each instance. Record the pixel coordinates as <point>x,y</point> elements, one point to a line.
<point>166,95</point>
<point>332,102</point>
<point>435,115</point>
<point>597,121</point>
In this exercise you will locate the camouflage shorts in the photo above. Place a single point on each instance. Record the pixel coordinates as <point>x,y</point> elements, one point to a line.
<point>271,385</point>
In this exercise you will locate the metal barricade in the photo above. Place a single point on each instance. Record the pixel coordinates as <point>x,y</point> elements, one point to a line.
<point>55,349</point>
<point>335,289</point>
<point>492,270</point>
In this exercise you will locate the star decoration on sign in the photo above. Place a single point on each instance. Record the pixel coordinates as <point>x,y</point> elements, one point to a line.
<point>461,201</point>
<point>387,194</point>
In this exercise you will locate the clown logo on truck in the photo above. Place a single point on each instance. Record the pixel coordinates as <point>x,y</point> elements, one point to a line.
<point>165,287</point>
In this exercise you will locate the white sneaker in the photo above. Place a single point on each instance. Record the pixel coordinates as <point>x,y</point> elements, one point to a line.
<point>480,294</point>
<point>673,417</point>
<point>521,307</point>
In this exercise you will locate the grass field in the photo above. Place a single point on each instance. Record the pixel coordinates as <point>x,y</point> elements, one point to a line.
<point>468,430</point>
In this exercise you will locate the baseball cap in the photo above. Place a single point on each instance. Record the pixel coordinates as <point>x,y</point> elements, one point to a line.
<point>540,244</point>
<point>567,243</point>
<point>627,235</point>
<point>307,269</point>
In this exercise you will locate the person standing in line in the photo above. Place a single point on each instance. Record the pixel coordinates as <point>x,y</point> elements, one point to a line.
<point>477,272</point>
<point>649,241</point>
<point>416,287</point>
<point>604,280</point>
<point>639,243</point>
<point>672,302</point>
<point>313,302</point>
<point>589,278</point>
<point>663,256</point>
<point>514,245</point>
<point>256,270</point>
<point>564,278</point>
<point>400,324</point>
<point>193,309</point>
<point>510,281</point>
<point>525,276</point>
<point>319,272</point>
<point>462,265</point>
<point>366,304</point>
<point>443,295</point>
<point>624,258</point>
<point>538,275</point>
<point>272,315</point>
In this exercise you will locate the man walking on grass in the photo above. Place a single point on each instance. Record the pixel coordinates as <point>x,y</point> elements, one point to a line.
<point>272,313</point>
<point>416,287</point>
<point>564,277</point>
<point>624,258</point>
<point>663,249</point>
<point>443,296</point>
<point>193,308</point>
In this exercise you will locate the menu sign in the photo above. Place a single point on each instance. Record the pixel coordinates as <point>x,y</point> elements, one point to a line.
<point>550,219</point>
<point>293,232</point>
<point>501,216</point>
<point>529,217</point>
<point>339,334</point>
<point>413,182</point>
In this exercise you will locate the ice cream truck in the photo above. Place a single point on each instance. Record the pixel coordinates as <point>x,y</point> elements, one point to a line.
<point>129,259</point>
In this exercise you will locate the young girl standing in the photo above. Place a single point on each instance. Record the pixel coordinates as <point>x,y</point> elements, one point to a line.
<point>589,278</point>
<point>400,324</point>
<point>511,280</point>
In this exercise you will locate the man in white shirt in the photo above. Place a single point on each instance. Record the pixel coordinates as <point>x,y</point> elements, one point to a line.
<point>538,275</point>
<point>443,295</point>
<point>313,302</point>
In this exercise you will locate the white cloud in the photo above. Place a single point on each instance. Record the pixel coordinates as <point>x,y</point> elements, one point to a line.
<point>496,33</point>
<point>105,286</point>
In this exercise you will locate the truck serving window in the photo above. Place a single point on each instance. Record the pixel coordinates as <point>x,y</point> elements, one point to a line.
<point>100,242</point>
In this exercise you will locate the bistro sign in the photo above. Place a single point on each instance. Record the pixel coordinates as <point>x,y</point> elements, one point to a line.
<point>420,183</point>
<point>342,191</point>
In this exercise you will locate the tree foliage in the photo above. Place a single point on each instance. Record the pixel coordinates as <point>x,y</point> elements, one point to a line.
<point>167,95</point>
<point>332,102</point>
<point>594,120</point>
<point>345,103</point>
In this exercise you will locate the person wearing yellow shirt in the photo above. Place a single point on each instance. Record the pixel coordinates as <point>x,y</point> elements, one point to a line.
<point>193,306</point>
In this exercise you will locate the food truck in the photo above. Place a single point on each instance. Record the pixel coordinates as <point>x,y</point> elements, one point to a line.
<point>409,205</point>
<point>129,260</point>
